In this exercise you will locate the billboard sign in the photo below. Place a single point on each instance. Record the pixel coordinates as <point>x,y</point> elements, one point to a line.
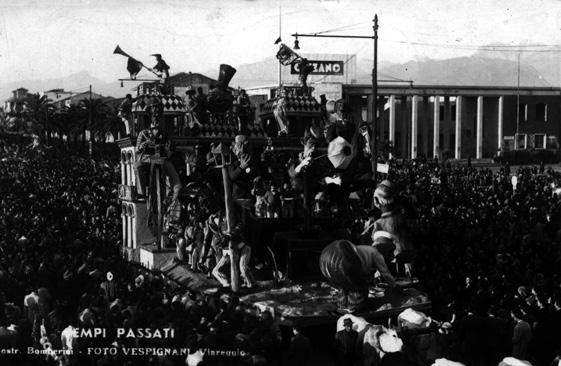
<point>321,67</point>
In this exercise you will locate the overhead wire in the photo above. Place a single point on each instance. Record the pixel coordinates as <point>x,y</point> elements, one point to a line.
<point>345,62</point>
<point>343,28</point>
<point>486,48</point>
<point>483,47</point>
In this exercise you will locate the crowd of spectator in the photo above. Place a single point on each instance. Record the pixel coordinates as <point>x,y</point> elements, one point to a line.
<point>61,269</point>
<point>488,256</point>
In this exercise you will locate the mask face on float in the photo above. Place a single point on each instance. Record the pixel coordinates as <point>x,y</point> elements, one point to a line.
<point>390,342</point>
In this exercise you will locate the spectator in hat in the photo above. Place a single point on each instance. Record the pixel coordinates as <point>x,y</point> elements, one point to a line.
<point>300,350</point>
<point>345,346</point>
<point>521,336</point>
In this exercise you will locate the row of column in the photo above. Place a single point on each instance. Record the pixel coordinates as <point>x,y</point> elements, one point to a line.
<point>129,233</point>
<point>128,176</point>
<point>436,125</point>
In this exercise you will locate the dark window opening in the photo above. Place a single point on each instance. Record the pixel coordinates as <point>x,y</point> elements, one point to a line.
<point>541,112</point>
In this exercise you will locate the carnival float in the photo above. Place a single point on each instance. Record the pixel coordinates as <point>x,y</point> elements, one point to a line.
<point>307,273</point>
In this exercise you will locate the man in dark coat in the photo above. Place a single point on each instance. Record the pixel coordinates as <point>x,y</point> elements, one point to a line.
<point>300,348</point>
<point>345,344</point>
<point>521,336</point>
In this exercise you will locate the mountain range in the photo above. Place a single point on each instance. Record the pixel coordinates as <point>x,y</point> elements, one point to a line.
<point>537,69</point>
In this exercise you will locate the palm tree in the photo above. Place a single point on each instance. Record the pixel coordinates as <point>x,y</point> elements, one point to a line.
<point>72,122</point>
<point>101,117</point>
<point>38,110</point>
<point>63,122</point>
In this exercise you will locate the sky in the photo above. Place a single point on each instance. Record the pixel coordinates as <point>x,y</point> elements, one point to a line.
<point>42,39</point>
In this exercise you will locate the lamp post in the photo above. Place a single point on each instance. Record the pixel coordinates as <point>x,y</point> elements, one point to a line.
<point>517,105</point>
<point>374,37</point>
<point>222,158</point>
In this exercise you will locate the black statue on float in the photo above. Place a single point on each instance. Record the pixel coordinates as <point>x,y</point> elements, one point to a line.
<point>220,99</point>
<point>305,68</point>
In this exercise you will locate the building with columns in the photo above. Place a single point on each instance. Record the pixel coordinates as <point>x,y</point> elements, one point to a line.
<point>458,121</point>
<point>455,121</point>
<point>444,120</point>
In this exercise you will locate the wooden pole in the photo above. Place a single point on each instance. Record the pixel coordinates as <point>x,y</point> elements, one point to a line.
<point>230,223</point>
<point>159,237</point>
<point>374,148</point>
<point>47,123</point>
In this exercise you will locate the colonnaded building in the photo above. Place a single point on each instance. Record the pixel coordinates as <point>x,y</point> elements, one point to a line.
<point>434,120</point>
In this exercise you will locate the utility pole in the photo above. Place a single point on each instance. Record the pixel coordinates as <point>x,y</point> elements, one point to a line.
<point>517,105</point>
<point>47,123</point>
<point>280,35</point>
<point>90,145</point>
<point>375,102</point>
<point>374,152</point>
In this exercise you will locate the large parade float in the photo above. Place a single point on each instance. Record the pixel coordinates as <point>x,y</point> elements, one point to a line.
<point>305,273</point>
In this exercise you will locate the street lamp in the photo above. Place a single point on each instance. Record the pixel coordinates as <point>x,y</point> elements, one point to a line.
<point>374,37</point>
<point>222,158</point>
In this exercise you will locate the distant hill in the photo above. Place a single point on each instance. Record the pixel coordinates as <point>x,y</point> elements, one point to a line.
<point>547,62</point>
<point>466,71</point>
<point>475,70</point>
<point>536,69</point>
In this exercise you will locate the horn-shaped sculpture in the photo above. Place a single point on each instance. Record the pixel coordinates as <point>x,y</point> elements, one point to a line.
<point>119,51</point>
<point>133,65</point>
<point>220,99</point>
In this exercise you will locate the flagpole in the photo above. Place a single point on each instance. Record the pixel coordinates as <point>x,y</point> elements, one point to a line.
<point>280,34</point>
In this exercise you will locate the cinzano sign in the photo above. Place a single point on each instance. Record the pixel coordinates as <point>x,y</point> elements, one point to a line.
<point>321,67</point>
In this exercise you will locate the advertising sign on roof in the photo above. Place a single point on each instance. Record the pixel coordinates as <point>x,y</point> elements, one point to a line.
<point>321,67</point>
